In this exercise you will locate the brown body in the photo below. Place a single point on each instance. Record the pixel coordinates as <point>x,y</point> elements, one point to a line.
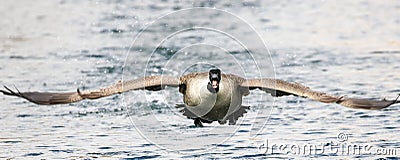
<point>209,106</point>
<point>203,104</point>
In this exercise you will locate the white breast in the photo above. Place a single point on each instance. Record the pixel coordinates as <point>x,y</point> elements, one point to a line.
<point>196,91</point>
<point>200,100</point>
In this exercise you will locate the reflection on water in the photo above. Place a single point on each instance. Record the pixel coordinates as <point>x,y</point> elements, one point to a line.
<point>345,48</point>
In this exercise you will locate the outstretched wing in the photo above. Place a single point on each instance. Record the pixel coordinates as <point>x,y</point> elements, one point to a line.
<point>152,83</point>
<point>281,88</point>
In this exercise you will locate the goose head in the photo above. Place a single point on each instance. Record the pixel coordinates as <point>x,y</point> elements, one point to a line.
<point>215,77</point>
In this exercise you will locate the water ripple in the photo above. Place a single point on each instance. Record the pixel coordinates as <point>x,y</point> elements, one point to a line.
<point>142,157</point>
<point>33,154</point>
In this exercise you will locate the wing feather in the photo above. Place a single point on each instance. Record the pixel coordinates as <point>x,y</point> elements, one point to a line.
<point>152,83</point>
<point>281,88</point>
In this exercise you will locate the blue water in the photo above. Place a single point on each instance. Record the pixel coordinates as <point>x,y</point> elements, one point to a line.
<point>344,48</point>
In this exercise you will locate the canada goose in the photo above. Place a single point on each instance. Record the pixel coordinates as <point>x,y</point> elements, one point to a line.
<point>208,96</point>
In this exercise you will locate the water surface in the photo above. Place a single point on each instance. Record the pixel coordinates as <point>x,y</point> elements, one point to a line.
<point>344,48</point>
